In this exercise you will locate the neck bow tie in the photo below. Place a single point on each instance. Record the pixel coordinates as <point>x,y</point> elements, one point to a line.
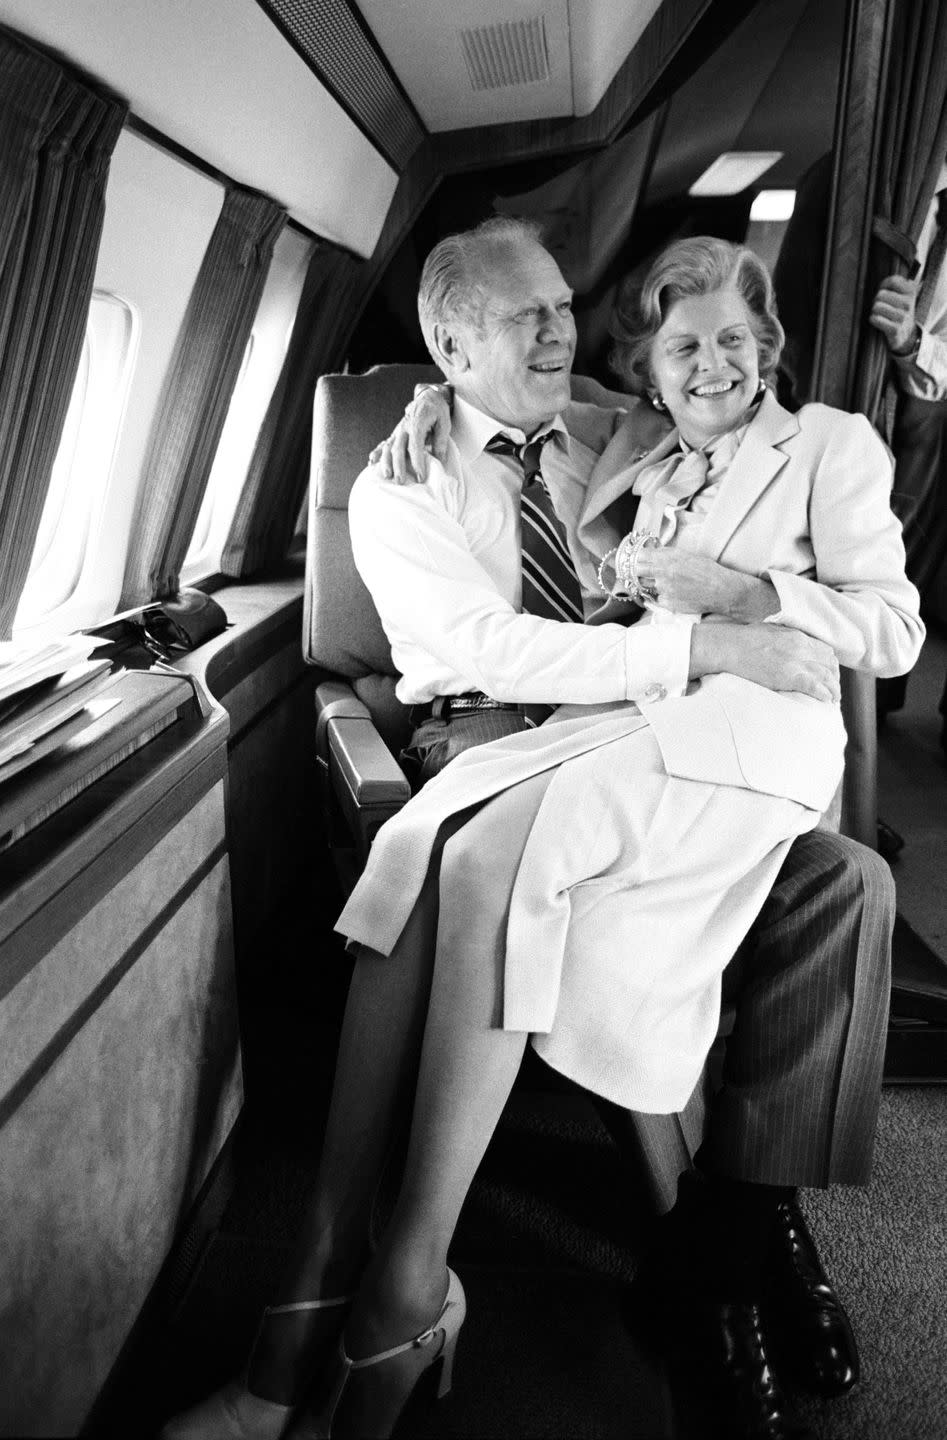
<point>672,485</point>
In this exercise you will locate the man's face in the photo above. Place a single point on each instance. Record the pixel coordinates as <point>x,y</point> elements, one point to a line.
<point>517,367</point>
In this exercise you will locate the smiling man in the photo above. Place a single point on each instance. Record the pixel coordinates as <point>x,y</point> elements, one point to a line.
<point>481,584</point>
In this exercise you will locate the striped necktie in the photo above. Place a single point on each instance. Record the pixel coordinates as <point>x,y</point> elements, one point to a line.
<point>550,585</point>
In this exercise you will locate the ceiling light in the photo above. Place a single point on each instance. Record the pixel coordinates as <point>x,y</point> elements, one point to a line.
<point>734,171</point>
<point>773,205</point>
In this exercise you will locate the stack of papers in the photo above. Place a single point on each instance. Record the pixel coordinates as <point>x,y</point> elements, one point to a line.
<point>49,692</point>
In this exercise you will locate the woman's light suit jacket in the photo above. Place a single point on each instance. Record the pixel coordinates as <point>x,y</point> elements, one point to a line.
<point>816,480</point>
<point>813,484</point>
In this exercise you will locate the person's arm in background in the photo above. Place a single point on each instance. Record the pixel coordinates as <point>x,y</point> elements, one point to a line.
<point>919,355</point>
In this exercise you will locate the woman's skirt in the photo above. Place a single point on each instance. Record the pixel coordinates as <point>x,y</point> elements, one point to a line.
<point>616,894</point>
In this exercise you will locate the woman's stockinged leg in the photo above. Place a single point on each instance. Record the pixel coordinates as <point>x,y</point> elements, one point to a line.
<point>376,1067</point>
<point>372,1093</point>
<point>467,1069</point>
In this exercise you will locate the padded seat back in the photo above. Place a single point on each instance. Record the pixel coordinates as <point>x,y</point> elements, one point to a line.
<point>341,629</point>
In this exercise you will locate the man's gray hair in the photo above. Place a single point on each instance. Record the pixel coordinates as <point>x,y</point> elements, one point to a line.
<point>453,285</point>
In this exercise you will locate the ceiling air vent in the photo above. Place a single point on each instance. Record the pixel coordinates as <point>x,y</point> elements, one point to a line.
<point>513,53</point>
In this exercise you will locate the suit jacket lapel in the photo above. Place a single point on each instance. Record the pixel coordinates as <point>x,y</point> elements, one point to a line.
<point>609,487</point>
<point>752,470</point>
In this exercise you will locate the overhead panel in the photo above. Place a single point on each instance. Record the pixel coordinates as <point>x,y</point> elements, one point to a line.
<point>330,37</point>
<point>513,63</point>
<point>604,32</point>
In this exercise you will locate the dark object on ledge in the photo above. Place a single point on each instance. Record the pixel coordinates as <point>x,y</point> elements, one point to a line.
<point>161,630</point>
<point>182,624</point>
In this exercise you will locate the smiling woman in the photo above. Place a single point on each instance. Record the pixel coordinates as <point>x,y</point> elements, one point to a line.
<point>704,364</point>
<point>701,335</point>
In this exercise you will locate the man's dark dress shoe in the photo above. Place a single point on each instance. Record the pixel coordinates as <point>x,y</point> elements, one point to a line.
<point>716,1357</point>
<point>721,1347</point>
<point>813,1339</point>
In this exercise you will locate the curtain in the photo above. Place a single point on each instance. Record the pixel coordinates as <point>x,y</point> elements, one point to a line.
<point>910,142</point>
<point>197,392</point>
<point>912,150</point>
<point>279,469</point>
<point>57,134</point>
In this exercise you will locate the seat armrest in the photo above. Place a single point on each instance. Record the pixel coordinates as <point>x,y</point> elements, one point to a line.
<point>359,771</point>
<point>365,763</point>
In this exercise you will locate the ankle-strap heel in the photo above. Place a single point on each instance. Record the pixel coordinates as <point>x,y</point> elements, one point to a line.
<point>238,1410</point>
<point>361,1403</point>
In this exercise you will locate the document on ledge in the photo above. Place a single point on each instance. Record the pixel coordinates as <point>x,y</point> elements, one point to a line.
<point>28,715</point>
<point>91,711</point>
<point>24,664</point>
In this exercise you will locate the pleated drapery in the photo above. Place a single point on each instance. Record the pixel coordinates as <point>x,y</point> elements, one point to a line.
<point>57,135</point>
<point>279,469</point>
<point>197,392</point>
<point>911,153</point>
<point>894,153</point>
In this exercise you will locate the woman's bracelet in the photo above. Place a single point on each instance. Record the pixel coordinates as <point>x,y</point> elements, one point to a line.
<point>627,585</point>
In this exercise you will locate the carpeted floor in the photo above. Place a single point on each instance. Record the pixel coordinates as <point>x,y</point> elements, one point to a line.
<point>886,1248</point>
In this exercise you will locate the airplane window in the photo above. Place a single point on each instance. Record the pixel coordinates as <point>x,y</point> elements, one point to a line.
<point>85,457</point>
<point>259,373</point>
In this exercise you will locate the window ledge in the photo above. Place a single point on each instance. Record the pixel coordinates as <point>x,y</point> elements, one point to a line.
<point>133,771</point>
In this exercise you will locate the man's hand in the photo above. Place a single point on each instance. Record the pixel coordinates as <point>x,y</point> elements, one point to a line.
<point>425,427</point>
<point>694,585</point>
<point>893,313</point>
<point>771,655</point>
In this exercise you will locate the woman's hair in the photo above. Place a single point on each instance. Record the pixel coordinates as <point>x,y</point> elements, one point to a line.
<point>452,284</point>
<point>700,265</point>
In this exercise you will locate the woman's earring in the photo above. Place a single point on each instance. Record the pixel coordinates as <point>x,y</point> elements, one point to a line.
<point>761,388</point>
<point>657,402</point>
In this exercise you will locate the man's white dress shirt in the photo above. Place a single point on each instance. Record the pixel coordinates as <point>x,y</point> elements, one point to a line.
<point>442,563</point>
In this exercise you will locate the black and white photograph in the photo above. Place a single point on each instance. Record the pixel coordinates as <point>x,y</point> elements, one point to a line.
<point>473,719</point>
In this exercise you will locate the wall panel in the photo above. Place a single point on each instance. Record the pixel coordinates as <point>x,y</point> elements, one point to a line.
<point>122,1094</point>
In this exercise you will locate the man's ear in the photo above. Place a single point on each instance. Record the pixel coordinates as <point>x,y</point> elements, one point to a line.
<point>451,350</point>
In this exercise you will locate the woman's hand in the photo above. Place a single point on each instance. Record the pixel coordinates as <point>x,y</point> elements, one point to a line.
<point>692,584</point>
<point>425,427</point>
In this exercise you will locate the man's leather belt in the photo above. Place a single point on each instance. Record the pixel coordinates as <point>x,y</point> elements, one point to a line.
<point>444,706</point>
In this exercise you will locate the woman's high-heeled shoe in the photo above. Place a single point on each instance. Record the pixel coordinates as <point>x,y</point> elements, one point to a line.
<point>361,1402</point>
<point>236,1411</point>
